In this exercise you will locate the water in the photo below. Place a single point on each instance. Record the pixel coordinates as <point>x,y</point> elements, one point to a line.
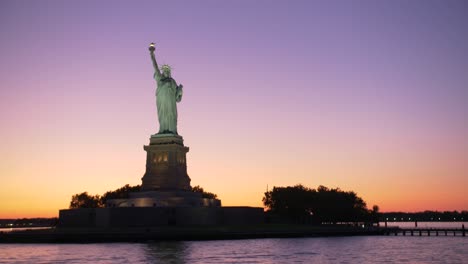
<point>362,249</point>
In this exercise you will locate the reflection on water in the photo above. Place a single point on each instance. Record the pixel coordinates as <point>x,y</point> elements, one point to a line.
<point>371,249</point>
<point>167,252</point>
<point>363,249</point>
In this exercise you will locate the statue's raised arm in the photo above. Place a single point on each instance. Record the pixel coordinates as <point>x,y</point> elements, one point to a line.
<point>157,72</point>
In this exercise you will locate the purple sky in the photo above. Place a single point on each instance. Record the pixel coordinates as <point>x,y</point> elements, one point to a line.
<point>369,96</point>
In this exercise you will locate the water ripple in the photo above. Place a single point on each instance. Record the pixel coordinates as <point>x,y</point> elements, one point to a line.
<point>378,249</point>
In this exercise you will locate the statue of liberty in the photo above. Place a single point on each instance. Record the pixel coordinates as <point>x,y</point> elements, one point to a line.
<point>168,93</point>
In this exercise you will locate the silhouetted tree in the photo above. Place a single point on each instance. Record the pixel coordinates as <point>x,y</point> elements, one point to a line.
<point>375,214</point>
<point>120,193</point>
<point>296,201</point>
<point>204,193</point>
<point>84,200</point>
<point>322,205</point>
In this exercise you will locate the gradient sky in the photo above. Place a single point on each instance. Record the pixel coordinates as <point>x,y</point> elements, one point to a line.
<point>369,96</point>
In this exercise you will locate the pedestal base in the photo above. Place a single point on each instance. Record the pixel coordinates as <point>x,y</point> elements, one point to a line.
<point>164,199</point>
<point>129,218</point>
<point>165,183</point>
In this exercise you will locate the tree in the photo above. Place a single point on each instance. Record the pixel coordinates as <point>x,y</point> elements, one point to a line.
<point>84,200</point>
<point>205,194</point>
<point>295,201</point>
<point>121,193</point>
<point>375,214</point>
<point>323,204</point>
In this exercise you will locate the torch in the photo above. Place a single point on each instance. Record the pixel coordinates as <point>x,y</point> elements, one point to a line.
<point>151,47</point>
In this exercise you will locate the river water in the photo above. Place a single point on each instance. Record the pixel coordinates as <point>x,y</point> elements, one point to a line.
<point>360,249</point>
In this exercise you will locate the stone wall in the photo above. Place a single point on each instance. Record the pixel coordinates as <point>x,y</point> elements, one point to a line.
<point>84,217</point>
<point>159,216</point>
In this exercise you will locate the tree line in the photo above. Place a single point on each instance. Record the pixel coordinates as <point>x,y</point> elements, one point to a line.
<point>85,200</point>
<point>322,205</point>
<point>294,203</point>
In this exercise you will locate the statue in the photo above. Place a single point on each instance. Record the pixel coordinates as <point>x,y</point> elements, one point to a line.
<point>168,93</point>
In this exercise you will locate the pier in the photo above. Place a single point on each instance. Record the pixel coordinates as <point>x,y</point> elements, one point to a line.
<point>425,231</point>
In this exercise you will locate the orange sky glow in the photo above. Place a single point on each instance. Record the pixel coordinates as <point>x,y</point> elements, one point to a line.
<point>338,95</point>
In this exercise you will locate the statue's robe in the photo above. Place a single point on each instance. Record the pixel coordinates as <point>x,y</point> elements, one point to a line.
<point>167,95</point>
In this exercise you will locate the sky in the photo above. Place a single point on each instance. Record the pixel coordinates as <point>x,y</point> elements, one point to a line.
<point>367,96</point>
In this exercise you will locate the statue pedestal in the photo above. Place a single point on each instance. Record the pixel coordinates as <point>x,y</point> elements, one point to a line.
<point>164,199</point>
<point>166,168</point>
<point>165,183</point>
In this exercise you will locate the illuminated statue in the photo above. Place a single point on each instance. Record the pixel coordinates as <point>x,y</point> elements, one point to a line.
<point>168,93</point>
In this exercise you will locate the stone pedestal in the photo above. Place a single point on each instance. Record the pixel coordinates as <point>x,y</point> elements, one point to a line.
<point>165,183</point>
<point>166,168</point>
<point>164,199</point>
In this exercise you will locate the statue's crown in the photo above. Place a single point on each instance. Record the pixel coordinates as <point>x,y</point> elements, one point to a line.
<point>166,67</point>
